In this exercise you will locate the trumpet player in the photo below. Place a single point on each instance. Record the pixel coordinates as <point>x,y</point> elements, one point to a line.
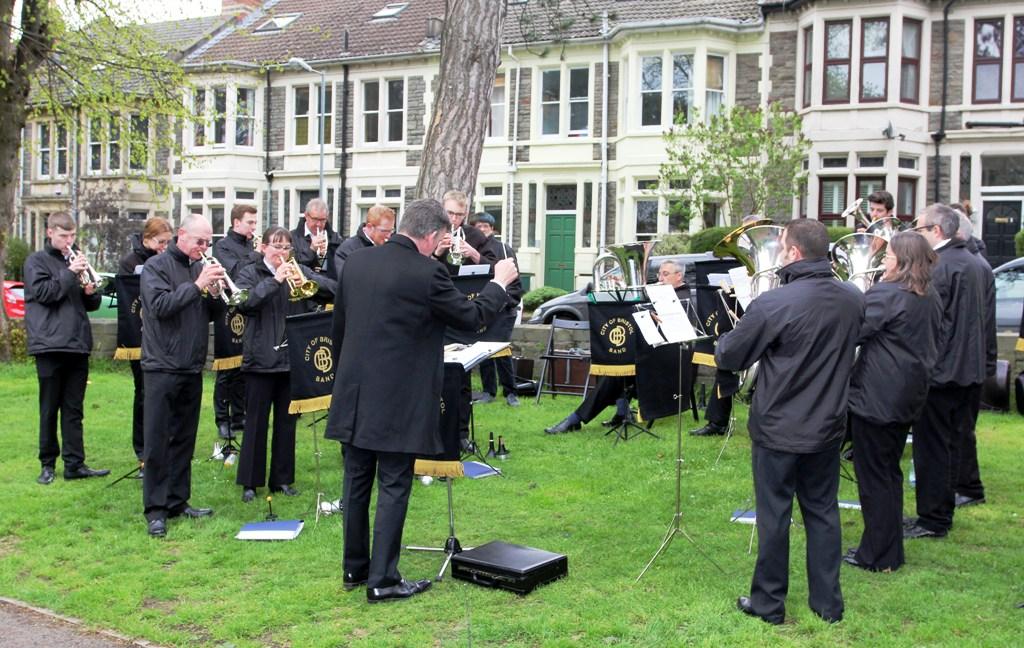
<point>272,283</point>
<point>176,291</point>
<point>234,251</point>
<point>314,240</point>
<point>60,339</point>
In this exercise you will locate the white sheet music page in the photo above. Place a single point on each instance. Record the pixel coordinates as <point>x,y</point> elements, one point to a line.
<point>741,284</point>
<point>648,328</point>
<point>675,324</point>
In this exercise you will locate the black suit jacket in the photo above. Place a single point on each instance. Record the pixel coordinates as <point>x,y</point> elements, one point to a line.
<point>390,313</point>
<point>305,255</point>
<point>965,346</point>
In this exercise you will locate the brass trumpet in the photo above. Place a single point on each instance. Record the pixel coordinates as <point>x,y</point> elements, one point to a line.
<point>301,288</point>
<point>229,292</point>
<point>89,276</point>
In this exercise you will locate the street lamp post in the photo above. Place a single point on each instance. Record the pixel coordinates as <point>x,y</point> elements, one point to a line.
<point>296,61</point>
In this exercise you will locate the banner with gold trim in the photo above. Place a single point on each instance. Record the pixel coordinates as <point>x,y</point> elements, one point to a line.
<point>228,330</point>
<point>129,317</point>
<point>311,359</point>
<point>500,330</point>
<point>613,335</point>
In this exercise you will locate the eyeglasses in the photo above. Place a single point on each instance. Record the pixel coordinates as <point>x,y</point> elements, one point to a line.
<point>201,242</point>
<point>455,214</point>
<point>284,247</point>
<point>384,230</point>
<point>923,227</point>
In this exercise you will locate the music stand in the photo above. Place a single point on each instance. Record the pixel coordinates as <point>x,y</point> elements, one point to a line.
<point>312,425</point>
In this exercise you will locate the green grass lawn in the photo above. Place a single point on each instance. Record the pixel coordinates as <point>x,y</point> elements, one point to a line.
<point>81,548</point>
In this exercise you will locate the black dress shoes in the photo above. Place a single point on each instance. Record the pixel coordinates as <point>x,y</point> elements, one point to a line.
<point>45,476</point>
<point>744,605</point>
<point>562,427</point>
<point>711,429</point>
<point>248,495</point>
<point>967,500</point>
<point>157,528</point>
<point>83,472</point>
<point>196,513</point>
<point>352,581</point>
<point>285,490</point>
<point>614,421</point>
<point>828,618</point>
<point>850,558</point>
<point>404,589</point>
<point>917,531</point>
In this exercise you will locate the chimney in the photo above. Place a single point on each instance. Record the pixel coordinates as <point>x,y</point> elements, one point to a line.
<point>435,26</point>
<point>235,7</point>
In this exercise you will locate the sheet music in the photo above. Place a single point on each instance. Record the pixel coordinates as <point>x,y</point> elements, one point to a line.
<point>673,325</point>
<point>472,355</point>
<point>741,284</point>
<point>470,270</point>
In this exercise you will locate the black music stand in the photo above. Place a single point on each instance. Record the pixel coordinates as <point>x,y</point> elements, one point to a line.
<point>318,417</point>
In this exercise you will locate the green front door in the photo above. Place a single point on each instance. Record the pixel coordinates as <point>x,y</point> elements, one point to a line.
<point>559,250</point>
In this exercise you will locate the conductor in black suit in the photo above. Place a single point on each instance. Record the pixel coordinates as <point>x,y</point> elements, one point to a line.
<point>391,309</point>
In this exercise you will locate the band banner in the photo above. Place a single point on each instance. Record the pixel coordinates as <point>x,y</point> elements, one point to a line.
<point>658,379</point>
<point>311,359</point>
<point>129,317</point>
<point>470,286</point>
<point>710,309</point>
<point>1020,339</point>
<point>613,335</point>
<point>447,463</point>
<point>228,329</point>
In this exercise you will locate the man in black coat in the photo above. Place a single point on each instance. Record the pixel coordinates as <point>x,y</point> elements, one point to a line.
<point>314,240</point>
<point>456,206</point>
<point>392,306</point>
<point>379,225</point>
<point>797,417</point>
<point>235,252</point>
<point>60,339</point>
<point>966,356</point>
<point>176,289</point>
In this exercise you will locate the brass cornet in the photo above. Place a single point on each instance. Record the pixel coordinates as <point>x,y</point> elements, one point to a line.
<point>229,292</point>
<point>301,288</point>
<point>89,276</point>
<point>257,240</point>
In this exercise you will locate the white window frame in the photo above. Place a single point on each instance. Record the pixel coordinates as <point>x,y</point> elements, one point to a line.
<point>391,111</point>
<point>147,166</point>
<point>565,101</point>
<point>698,89</point>
<point>497,128</point>
<point>115,122</point>
<point>709,91</point>
<point>570,100</point>
<point>95,139</point>
<point>60,132</point>
<point>43,152</point>
<point>361,203</point>
<point>556,103</point>
<point>690,89</point>
<point>218,116</point>
<point>384,111</point>
<point>241,117</point>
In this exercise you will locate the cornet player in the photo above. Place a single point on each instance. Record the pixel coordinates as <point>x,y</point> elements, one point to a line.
<point>60,338</point>
<point>265,366</point>
<point>314,240</point>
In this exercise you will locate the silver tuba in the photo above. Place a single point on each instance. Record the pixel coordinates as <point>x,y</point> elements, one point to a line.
<point>857,258</point>
<point>622,268</point>
<point>886,226</point>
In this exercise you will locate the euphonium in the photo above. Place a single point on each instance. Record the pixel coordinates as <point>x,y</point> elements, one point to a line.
<point>89,276</point>
<point>622,267</point>
<point>857,258</point>
<point>229,292</point>
<point>301,288</point>
<point>886,226</point>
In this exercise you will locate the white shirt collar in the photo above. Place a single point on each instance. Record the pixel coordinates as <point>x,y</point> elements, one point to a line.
<point>941,244</point>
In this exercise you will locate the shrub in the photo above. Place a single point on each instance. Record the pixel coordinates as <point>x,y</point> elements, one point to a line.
<point>17,339</point>
<point>16,253</point>
<point>836,233</point>
<point>705,240</point>
<point>673,244</point>
<point>538,296</point>
<point>1019,241</point>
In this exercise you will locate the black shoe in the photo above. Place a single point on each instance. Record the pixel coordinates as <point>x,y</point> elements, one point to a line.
<point>614,421</point>
<point>918,531</point>
<point>196,513</point>
<point>562,427</point>
<point>711,429</point>
<point>285,490</point>
<point>909,521</point>
<point>512,400</point>
<point>404,589</point>
<point>744,605</point>
<point>45,476</point>
<point>224,431</point>
<point>352,581</point>
<point>248,495</point>
<point>850,558</point>
<point>84,472</point>
<point>484,398</point>
<point>967,500</point>
<point>157,528</point>
<point>828,618</point>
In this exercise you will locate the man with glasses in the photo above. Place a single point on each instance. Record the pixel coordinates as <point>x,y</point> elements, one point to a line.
<point>176,288</point>
<point>456,207</point>
<point>379,225</point>
<point>314,240</point>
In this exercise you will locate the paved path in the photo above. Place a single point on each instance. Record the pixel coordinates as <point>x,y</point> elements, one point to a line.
<point>25,626</point>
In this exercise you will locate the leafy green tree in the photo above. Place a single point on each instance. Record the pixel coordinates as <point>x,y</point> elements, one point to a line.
<point>750,160</point>
<point>75,62</point>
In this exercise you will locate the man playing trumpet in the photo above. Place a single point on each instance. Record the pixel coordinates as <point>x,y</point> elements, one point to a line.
<point>314,240</point>
<point>57,295</point>
<point>275,286</point>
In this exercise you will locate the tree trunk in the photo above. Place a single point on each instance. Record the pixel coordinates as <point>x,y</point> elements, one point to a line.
<point>470,54</point>
<point>12,106</point>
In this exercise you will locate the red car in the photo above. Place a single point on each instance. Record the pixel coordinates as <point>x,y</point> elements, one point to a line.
<point>14,299</point>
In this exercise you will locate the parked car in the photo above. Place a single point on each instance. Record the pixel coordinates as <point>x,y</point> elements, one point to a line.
<point>573,306</point>
<point>1009,294</point>
<point>14,299</point>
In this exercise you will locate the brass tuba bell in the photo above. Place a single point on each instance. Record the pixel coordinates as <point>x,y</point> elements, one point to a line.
<point>886,226</point>
<point>622,269</point>
<point>857,258</point>
<point>301,288</point>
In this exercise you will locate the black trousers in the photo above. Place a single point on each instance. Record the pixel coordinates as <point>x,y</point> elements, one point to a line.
<point>393,471</point>
<point>965,446</point>
<point>172,419</point>
<point>604,394</point>
<point>263,391</point>
<point>465,404</point>
<point>719,409</point>
<point>946,412</point>
<point>62,379</point>
<point>138,402</point>
<point>877,450</point>
<point>503,368</point>
<point>229,399</point>
<point>814,478</point>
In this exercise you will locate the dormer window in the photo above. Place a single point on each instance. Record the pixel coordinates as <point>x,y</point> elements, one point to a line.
<point>276,23</point>
<point>390,10</point>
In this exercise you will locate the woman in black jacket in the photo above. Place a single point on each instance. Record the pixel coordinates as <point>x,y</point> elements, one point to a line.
<point>265,362</point>
<point>898,349</point>
<point>155,235</point>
